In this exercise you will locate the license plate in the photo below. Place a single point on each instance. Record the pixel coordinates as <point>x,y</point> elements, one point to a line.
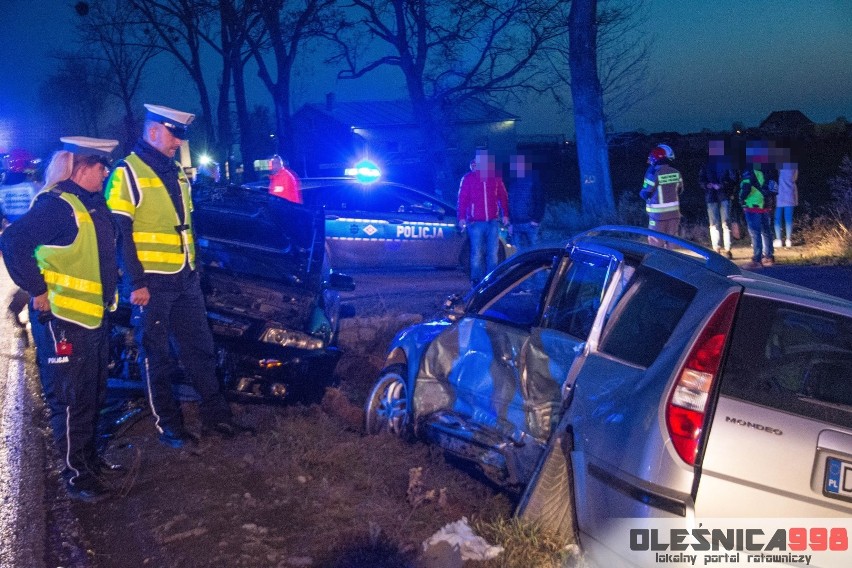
<point>838,479</point>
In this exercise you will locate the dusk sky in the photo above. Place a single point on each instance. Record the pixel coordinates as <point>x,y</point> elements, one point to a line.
<point>714,63</point>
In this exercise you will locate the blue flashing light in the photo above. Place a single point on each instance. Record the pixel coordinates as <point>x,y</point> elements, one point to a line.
<point>364,171</point>
<point>204,159</point>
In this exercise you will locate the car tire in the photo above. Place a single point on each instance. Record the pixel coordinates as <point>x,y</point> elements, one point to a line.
<point>548,500</point>
<point>388,405</point>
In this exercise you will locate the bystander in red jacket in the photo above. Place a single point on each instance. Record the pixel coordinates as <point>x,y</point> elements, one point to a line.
<point>283,182</point>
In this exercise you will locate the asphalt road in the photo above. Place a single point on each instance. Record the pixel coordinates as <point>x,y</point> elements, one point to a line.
<point>22,450</point>
<point>378,293</point>
<point>834,280</point>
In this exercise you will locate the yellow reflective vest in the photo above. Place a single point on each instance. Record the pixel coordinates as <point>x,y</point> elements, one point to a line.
<point>164,242</point>
<point>72,273</point>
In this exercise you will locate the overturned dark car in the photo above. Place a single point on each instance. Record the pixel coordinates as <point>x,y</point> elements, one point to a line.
<point>272,303</point>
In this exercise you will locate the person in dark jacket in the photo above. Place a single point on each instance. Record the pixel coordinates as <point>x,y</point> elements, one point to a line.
<point>717,178</point>
<point>526,202</point>
<point>149,195</point>
<point>482,205</point>
<point>63,253</point>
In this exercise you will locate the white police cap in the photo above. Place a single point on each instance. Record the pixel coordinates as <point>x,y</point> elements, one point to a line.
<point>175,120</point>
<point>85,146</point>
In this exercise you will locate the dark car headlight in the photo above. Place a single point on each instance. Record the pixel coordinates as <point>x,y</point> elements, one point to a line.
<point>290,338</point>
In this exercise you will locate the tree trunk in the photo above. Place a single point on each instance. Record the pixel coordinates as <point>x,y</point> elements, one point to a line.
<point>587,96</point>
<point>223,108</point>
<point>283,120</point>
<point>248,155</point>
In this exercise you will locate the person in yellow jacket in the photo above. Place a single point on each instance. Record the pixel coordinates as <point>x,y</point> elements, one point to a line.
<point>149,195</point>
<point>63,253</point>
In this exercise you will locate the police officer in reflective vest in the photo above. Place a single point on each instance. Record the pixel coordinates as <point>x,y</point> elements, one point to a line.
<point>663,184</point>
<point>149,194</point>
<point>63,253</point>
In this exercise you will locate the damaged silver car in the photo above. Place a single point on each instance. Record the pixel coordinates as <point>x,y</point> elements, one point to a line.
<point>614,380</point>
<point>485,381</point>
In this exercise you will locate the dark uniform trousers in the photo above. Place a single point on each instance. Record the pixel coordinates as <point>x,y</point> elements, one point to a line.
<point>176,310</point>
<point>72,363</point>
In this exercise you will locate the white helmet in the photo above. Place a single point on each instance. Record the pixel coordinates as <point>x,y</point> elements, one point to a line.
<point>668,150</point>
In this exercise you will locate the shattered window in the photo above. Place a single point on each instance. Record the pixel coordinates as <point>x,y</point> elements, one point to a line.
<point>516,297</point>
<point>520,304</point>
<point>575,303</point>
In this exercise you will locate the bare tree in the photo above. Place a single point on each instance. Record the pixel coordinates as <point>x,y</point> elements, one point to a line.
<point>449,51</point>
<point>73,97</point>
<point>180,28</point>
<point>123,49</point>
<point>623,47</point>
<point>237,21</point>
<point>589,120</point>
<point>288,25</point>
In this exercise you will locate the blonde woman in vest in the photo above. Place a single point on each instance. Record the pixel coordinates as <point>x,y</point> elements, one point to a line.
<point>63,253</point>
<point>149,195</point>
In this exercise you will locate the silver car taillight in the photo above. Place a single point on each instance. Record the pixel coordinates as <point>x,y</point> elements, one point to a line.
<point>685,411</point>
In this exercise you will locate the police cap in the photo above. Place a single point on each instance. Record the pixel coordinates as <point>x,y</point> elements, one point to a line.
<point>176,121</point>
<point>84,146</point>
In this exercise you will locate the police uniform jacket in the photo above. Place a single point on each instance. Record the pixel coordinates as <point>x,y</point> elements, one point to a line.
<point>51,221</point>
<point>169,172</point>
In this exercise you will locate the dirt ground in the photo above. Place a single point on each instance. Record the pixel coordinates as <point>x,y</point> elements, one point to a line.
<point>309,489</point>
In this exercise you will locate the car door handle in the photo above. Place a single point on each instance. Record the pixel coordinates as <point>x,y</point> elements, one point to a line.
<point>396,221</point>
<point>332,217</point>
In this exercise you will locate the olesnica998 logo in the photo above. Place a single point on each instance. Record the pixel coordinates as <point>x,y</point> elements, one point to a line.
<point>790,545</point>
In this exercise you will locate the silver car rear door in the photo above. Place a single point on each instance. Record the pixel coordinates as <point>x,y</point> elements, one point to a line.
<point>780,444</point>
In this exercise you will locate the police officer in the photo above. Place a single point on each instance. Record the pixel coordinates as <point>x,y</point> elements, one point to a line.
<point>149,194</point>
<point>63,253</point>
<point>663,184</point>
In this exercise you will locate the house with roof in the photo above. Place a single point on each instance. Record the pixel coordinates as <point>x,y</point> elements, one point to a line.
<point>329,137</point>
<point>789,123</point>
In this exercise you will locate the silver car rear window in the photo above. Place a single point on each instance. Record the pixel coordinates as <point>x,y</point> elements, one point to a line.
<point>645,316</point>
<point>791,358</point>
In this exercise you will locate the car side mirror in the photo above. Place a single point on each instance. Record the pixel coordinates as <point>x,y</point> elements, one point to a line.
<point>454,307</point>
<point>340,282</point>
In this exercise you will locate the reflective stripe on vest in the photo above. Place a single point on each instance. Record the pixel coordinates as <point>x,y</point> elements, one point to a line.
<point>666,194</point>
<point>72,273</point>
<point>161,248</point>
<point>662,207</point>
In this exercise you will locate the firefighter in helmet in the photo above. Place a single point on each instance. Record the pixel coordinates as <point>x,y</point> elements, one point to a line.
<point>661,190</point>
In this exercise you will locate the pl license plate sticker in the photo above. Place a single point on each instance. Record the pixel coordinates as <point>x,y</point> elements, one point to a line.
<point>838,479</point>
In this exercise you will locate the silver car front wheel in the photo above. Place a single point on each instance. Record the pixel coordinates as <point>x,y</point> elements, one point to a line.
<point>387,406</point>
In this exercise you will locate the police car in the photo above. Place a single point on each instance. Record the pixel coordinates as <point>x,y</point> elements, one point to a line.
<point>382,224</point>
